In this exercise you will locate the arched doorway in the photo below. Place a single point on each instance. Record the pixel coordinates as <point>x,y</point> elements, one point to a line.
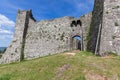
<point>77,35</point>
<point>77,42</point>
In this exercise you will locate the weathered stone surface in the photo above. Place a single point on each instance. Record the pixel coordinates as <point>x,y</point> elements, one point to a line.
<point>105,27</point>
<point>99,32</point>
<point>13,52</point>
<point>36,39</point>
<point>111,27</point>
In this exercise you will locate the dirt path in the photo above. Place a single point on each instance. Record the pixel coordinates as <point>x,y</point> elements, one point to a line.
<point>72,53</point>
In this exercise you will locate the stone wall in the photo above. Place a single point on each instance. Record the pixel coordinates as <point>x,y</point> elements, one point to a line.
<point>13,52</point>
<point>86,22</point>
<point>50,37</point>
<point>99,32</point>
<point>110,35</point>
<point>104,36</point>
<point>54,36</point>
<point>95,26</point>
<point>36,39</point>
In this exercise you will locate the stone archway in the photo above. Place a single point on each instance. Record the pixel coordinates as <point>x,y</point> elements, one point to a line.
<point>77,42</point>
<point>76,36</point>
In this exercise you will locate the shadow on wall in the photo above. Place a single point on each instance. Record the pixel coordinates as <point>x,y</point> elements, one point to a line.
<point>96,27</point>
<point>75,23</point>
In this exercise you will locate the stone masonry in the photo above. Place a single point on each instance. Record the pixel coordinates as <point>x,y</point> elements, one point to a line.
<point>104,36</point>
<point>34,39</point>
<point>99,32</point>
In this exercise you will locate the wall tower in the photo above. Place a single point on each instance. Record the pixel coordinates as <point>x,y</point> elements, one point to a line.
<point>104,34</point>
<point>15,51</point>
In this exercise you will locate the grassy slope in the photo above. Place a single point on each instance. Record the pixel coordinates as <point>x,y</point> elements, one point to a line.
<point>63,67</point>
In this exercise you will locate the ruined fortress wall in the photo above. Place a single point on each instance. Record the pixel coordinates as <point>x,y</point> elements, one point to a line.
<point>104,36</point>
<point>54,36</point>
<point>13,52</point>
<point>110,35</point>
<point>49,37</point>
<point>35,39</point>
<point>86,22</point>
<point>97,16</point>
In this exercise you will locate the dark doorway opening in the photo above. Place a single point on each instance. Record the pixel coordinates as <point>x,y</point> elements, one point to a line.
<point>77,42</point>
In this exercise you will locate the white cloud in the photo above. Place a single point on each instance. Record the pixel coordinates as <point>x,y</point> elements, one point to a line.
<point>6,25</point>
<point>5,40</point>
<point>7,32</point>
<point>6,37</point>
<point>4,21</point>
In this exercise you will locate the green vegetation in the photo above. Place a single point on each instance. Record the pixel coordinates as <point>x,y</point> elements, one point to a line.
<point>0,55</point>
<point>112,53</point>
<point>113,37</point>
<point>116,24</point>
<point>116,7</point>
<point>2,51</point>
<point>107,12</point>
<point>88,34</point>
<point>62,36</point>
<point>82,66</point>
<point>16,50</point>
<point>5,77</point>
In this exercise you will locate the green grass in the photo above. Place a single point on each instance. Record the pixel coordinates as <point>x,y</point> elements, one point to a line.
<point>63,67</point>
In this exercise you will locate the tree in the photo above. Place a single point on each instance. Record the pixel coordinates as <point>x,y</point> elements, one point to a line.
<point>0,51</point>
<point>4,50</point>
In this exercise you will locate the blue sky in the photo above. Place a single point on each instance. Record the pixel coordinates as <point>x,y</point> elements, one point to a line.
<point>42,10</point>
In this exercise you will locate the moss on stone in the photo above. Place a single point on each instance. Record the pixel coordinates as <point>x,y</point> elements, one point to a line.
<point>116,7</point>
<point>116,24</point>
<point>62,36</point>
<point>16,50</point>
<point>113,37</point>
<point>107,12</point>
